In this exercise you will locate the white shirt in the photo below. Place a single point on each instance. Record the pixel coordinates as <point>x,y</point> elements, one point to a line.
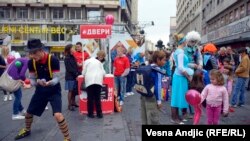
<point>93,72</point>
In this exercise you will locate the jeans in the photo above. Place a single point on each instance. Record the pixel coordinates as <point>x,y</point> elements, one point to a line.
<point>213,114</point>
<point>239,87</point>
<point>17,105</point>
<point>130,81</point>
<point>120,85</point>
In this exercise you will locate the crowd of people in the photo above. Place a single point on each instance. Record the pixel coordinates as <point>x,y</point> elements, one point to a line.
<point>210,70</point>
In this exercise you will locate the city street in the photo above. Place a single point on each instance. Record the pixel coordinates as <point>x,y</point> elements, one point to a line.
<point>125,126</point>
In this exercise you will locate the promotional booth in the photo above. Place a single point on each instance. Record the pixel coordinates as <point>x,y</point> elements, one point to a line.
<point>107,95</point>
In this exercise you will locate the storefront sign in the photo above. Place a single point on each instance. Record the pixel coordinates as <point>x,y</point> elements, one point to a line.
<point>32,29</point>
<point>95,31</point>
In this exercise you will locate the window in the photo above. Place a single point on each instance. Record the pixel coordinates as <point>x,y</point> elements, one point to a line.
<point>237,13</point>
<point>231,16</point>
<point>94,15</point>
<point>242,10</point>
<point>222,21</point>
<point>40,13</point>
<point>4,13</point>
<point>248,8</point>
<point>58,13</point>
<point>75,13</point>
<point>218,2</point>
<point>22,13</point>
<point>226,19</point>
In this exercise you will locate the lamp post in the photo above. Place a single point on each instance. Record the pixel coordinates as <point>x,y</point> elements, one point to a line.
<point>109,19</point>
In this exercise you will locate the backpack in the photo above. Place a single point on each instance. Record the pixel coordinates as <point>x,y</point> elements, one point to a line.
<point>144,84</point>
<point>49,66</point>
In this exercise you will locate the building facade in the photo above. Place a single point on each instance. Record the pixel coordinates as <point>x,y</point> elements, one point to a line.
<point>56,21</point>
<point>226,22</point>
<point>173,26</point>
<point>189,16</point>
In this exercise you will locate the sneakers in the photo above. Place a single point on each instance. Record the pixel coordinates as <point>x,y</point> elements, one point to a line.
<point>17,117</point>
<point>23,112</point>
<point>128,94</point>
<point>235,106</point>
<point>121,103</point>
<point>177,122</point>
<point>5,98</point>
<point>22,133</point>
<point>10,97</point>
<point>184,120</point>
<point>132,93</point>
<point>241,105</point>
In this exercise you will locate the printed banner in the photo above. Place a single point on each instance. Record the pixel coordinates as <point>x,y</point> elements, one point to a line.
<point>95,31</point>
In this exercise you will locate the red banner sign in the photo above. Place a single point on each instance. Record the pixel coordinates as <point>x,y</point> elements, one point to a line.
<point>95,31</point>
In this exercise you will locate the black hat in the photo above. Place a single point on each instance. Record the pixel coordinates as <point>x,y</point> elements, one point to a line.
<point>33,45</point>
<point>159,44</point>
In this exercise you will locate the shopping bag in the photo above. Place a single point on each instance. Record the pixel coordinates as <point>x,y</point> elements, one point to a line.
<point>9,84</point>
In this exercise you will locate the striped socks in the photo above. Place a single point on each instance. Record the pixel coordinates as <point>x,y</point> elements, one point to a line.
<point>64,129</point>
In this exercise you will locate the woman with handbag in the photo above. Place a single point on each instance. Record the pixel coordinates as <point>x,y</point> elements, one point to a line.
<point>71,74</point>
<point>5,52</point>
<point>16,71</point>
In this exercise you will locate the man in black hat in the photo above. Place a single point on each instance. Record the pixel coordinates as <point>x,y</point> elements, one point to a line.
<point>44,75</point>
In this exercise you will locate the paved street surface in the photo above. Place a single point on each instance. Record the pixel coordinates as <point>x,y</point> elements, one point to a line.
<point>125,126</point>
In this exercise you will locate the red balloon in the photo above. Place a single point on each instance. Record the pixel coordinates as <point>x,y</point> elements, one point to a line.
<point>193,97</point>
<point>109,19</point>
<point>197,114</point>
<point>10,59</point>
<point>27,81</point>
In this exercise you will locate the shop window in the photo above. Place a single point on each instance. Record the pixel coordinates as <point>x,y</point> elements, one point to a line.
<point>57,34</point>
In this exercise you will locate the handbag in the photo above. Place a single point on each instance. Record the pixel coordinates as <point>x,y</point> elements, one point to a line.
<point>9,84</point>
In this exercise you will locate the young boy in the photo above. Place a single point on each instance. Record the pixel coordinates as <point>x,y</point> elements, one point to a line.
<point>150,105</point>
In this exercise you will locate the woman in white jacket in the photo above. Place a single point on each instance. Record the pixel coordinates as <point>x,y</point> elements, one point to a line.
<point>93,73</point>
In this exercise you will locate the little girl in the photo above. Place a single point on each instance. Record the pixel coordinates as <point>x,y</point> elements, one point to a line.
<point>227,73</point>
<point>197,84</point>
<point>215,95</point>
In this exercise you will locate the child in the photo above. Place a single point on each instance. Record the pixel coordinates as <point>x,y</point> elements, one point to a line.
<point>17,71</point>
<point>215,95</point>
<point>197,83</point>
<point>149,112</point>
<point>227,73</point>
